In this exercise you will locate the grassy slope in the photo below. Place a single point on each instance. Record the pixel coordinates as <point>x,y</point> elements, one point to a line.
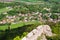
<point>20,24</point>
<point>4,10</point>
<point>28,0</point>
<point>38,0</point>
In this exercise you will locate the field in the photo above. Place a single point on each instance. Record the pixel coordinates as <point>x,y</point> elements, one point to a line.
<point>37,0</point>
<point>20,24</point>
<point>27,0</point>
<point>4,10</point>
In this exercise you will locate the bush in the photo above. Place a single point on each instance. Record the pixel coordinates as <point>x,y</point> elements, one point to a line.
<point>17,38</point>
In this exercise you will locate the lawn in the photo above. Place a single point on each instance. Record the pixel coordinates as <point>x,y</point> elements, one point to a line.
<point>20,24</point>
<point>3,27</point>
<point>4,9</point>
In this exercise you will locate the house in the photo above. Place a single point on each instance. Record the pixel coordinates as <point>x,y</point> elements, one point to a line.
<point>6,0</point>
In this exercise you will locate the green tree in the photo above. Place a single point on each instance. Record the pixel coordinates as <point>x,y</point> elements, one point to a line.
<point>12,12</point>
<point>2,16</point>
<point>54,16</point>
<point>17,38</point>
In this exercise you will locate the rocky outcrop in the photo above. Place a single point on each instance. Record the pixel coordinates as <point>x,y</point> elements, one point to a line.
<point>43,30</point>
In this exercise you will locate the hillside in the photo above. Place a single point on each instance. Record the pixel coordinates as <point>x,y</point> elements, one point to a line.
<point>19,17</point>
<point>39,0</point>
<point>30,0</point>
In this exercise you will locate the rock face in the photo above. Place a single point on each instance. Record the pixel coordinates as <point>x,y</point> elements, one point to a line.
<point>43,30</point>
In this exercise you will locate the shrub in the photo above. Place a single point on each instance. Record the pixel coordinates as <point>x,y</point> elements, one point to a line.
<point>17,38</point>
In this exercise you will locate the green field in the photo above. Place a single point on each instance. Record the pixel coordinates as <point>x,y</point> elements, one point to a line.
<point>28,0</point>
<point>37,0</point>
<point>20,24</point>
<point>4,10</point>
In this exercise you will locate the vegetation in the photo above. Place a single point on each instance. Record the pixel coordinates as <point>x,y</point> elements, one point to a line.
<point>55,29</point>
<point>20,29</point>
<point>2,16</point>
<point>23,31</point>
<point>17,38</point>
<point>20,24</point>
<point>54,16</point>
<point>26,7</point>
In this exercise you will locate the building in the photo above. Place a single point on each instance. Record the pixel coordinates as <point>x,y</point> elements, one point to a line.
<point>6,0</point>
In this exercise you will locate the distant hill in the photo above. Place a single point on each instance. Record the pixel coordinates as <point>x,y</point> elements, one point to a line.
<point>38,0</point>
<point>29,0</point>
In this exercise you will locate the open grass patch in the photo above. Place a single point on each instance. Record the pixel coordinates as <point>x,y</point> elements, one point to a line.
<point>20,24</point>
<point>19,31</point>
<point>4,10</point>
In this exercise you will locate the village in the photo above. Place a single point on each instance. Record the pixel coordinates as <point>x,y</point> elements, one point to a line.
<point>30,17</point>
